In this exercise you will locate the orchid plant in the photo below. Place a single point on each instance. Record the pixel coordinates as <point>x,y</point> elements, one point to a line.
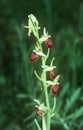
<point>44,110</point>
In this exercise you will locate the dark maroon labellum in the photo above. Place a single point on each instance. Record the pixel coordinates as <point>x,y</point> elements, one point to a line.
<point>38,112</point>
<point>55,89</point>
<point>48,43</point>
<point>34,57</point>
<point>52,74</point>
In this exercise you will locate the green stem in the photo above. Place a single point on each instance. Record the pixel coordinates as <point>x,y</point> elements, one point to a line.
<point>43,123</point>
<point>47,103</point>
<point>37,125</point>
<point>46,95</point>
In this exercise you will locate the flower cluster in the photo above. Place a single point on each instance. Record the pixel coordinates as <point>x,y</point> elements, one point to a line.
<point>43,109</point>
<point>35,56</point>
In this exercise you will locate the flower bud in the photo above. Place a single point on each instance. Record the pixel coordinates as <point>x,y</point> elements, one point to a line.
<point>48,43</point>
<point>52,74</point>
<point>34,57</point>
<point>55,89</point>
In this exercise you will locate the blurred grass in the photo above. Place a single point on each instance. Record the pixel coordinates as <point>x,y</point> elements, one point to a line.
<point>18,85</point>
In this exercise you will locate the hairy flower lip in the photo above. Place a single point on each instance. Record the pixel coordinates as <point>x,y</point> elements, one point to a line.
<point>48,43</point>
<point>34,57</point>
<point>55,89</point>
<point>38,112</point>
<point>52,74</point>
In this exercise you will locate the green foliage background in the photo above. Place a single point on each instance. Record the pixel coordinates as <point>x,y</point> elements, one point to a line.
<point>18,85</point>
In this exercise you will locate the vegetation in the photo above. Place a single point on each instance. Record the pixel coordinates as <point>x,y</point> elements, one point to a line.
<point>18,85</point>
